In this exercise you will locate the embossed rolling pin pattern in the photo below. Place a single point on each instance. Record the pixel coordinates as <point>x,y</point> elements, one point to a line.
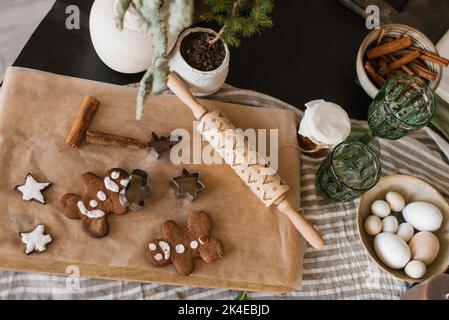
<point>269,187</point>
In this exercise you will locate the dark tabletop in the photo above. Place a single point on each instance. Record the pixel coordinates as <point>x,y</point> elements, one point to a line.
<point>309,53</point>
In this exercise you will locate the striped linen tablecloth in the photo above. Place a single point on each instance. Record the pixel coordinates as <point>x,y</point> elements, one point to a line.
<point>341,270</point>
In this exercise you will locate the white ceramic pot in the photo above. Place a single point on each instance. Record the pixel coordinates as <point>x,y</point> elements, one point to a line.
<point>201,83</point>
<point>394,30</point>
<point>126,51</point>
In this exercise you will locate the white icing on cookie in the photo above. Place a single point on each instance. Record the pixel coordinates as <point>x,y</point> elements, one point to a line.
<point>33,189</point>
<point>125,182</point>
<point>193,244</point>
<point>35,240</point>
<point>101,196</point>
<point>180,248</point>
<point>122,198</point>
<point>202,241</point>
<point>166,248</point>
<point>158,257</point>
<point>93,203</point>
<point>115,175</point>
<point>152,246</point>
<point>111,185</point>
<point>90,214</point>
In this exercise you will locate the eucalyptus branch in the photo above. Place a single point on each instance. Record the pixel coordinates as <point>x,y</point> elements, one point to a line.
<point>155,79</point>
<point>237,18</point>
<point>181,15</point>
<point>122,7</point>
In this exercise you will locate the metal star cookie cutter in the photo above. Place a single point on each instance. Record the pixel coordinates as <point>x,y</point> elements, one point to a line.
<point>136,191</point>
<point>187,185</point>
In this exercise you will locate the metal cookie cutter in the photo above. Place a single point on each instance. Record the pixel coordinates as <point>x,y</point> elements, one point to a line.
<point>136,191</point>
<point>188,184</point>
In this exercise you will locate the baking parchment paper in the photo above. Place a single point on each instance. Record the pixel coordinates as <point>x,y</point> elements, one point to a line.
<point>263,250</point>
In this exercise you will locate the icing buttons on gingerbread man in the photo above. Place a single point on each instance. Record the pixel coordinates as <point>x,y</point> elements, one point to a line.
<point>181,247</point>
<point>99,198</point>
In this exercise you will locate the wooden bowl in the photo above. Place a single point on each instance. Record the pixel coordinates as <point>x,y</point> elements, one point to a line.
<point>412,189</point>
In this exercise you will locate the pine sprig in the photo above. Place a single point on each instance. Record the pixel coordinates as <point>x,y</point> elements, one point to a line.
<point>238,18</point>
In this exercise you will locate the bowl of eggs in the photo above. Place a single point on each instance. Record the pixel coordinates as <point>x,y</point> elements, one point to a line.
<point>403,223</point>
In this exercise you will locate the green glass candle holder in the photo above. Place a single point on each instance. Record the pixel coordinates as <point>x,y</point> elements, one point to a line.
<point>351,169</point>
<point>404,105</point>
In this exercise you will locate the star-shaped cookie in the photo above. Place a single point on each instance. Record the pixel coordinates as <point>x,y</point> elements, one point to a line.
<point>35,240</point>
<point>32,190</point>
<point>187,185</point>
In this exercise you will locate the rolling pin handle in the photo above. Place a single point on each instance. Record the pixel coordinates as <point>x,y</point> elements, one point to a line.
<point>180,89</point>
<point>309,233</point>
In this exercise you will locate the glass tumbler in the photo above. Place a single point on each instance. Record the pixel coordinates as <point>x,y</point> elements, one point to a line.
<point>405,104</point>
<point>350,169</point>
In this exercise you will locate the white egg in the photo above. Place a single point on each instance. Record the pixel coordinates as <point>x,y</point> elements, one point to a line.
<point>405,231</point>
<point>380,208</point>
<point>415,269</point>
<point>373,225</point>
<point>392,250</point>
<point>425,247</point>
<point>395,201</point>
<point>389,224</point>
<point>423,216</point>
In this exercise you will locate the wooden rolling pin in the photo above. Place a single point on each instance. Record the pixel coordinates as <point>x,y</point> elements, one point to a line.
<point>269,187</point>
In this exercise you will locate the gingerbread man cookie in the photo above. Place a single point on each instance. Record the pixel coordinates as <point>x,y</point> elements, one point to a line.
<point>182,246</point>
<point>101,196</point>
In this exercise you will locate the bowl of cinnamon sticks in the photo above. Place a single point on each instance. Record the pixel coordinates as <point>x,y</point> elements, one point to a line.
<point>397,48</point>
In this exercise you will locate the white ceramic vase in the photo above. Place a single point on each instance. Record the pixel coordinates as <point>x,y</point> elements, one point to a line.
<point>201,83</point>
<point>128,50</point>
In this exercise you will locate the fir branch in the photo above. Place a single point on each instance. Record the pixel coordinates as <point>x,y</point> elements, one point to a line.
<point>235,7</point>
<point>238,18</point>
<point>181,15</point>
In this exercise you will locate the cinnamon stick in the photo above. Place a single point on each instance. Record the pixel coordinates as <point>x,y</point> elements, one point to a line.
<point>423,72</point>
<point>408,58</point>
<point>388,48</point>
<point>383,66</point>
<point>378,80</point>
<point>432,57</point>
<point>107,139</point>
<point>381,36</point>
<point>404,67</point>
<point>442,62</point>
<point>78,130</point>
<point>421,63</point>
